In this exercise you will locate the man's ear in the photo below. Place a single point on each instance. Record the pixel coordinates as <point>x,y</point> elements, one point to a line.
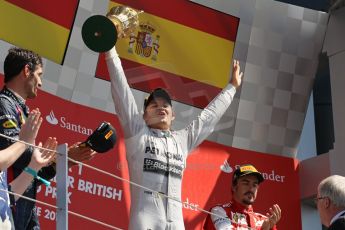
<point>172,116</point>
<point>144,115</point>
<point>327,202</point>
<point>27,70</point>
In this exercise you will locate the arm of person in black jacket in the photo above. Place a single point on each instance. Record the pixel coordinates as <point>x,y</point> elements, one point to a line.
<point>39,159</point>
<point>75,152</point>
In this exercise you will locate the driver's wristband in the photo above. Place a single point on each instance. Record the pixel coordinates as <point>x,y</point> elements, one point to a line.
<point>32,172</point>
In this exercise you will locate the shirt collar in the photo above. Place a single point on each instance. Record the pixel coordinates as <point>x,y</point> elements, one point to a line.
<point>161,133</point>
<point>15,96</point>
<point>239,207</point>
<point>18,99</point>
<point>339,214</point>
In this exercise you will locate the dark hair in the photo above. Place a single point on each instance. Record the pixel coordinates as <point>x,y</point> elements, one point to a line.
<point>16,59</point>
<point>157,93</point>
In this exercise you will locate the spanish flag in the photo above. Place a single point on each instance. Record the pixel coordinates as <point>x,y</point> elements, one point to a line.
<point>181,46</point>
<point>41,26</point>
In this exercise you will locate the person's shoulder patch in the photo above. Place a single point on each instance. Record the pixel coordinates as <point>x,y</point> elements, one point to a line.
<point>9,124</point>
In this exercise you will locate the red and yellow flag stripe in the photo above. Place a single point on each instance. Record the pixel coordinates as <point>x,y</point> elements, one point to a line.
<point>189,14</point>
<point>41,27</point>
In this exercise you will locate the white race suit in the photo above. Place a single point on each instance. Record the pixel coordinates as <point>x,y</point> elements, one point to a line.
<point>156,159</point>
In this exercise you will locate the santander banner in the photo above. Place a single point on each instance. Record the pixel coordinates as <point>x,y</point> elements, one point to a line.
<point>91,193</point>
<point>206,180</point>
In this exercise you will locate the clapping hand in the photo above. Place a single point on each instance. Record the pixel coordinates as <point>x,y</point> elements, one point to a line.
<point>29,129</point>
<point>274,216</point>
<point>41,158</point>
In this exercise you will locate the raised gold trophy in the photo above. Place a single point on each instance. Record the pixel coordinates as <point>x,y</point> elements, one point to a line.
<point>100,33</point>
<point>125,19</point>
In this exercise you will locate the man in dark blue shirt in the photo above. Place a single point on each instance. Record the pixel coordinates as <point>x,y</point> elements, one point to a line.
<point>23,70</point>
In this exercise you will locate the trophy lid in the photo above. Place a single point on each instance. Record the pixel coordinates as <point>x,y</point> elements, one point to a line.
<point>99,33</point>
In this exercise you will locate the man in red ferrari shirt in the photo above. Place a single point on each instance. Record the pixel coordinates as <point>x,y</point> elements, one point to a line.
<point>239,214</point>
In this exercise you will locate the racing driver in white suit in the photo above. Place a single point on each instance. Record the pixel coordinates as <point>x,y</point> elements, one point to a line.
<point>157,155</point>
